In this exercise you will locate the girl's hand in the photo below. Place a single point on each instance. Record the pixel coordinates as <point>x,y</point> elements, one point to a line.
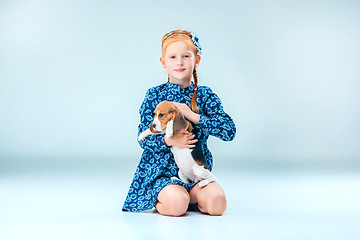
<point>183,140</point>
<point>186,111</point>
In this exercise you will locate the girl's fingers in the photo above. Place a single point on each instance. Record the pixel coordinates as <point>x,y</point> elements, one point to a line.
<point>191,136</point>
<point>192,141</point>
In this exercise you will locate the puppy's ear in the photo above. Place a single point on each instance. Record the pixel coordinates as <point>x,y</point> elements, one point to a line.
<point>170,124</point>
<point>172,113</point>
<point>169,132</point>
<point>180,122</point>
<point>189,127</point>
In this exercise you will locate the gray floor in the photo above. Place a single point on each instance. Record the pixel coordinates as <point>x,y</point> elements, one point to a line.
<point>84,202</point>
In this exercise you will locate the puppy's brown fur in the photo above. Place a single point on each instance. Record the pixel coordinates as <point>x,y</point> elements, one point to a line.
<point>165,112</point>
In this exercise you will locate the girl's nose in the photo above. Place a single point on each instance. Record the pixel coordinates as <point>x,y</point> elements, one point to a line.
<point>180,62</point>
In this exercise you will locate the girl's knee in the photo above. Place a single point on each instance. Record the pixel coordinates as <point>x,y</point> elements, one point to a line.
<point>216,204</point>
<point>178,206</point>
<point>174,202</point>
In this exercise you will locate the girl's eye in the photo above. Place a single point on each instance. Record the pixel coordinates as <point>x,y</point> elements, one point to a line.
<point>172,57</point>
<point>186,56</point>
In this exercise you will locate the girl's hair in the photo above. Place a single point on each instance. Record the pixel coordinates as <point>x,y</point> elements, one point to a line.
<point>183,35</point>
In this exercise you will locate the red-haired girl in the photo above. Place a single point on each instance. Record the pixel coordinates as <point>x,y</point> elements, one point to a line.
<point>153,185</point>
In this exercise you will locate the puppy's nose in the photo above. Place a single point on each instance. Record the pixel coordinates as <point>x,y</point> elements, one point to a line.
<point>154,125</point>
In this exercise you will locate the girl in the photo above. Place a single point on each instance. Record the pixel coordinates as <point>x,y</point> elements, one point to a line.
<point>152,185</point>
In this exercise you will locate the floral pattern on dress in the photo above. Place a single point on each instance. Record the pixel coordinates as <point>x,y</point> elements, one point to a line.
<point>157,164</point>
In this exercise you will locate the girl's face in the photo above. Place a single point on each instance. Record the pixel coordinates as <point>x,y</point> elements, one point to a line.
<point>179,61</point>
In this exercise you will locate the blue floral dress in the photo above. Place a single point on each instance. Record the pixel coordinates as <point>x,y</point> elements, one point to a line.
<point>157,164</point>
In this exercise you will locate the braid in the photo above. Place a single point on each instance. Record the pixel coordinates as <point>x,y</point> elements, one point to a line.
<point>193,105</point>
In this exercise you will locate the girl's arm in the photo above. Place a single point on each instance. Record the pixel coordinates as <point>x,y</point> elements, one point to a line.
<point>215,121</point>
<point>188,114</point>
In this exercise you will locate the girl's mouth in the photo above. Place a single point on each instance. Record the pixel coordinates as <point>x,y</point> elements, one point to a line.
<point>179,70</point>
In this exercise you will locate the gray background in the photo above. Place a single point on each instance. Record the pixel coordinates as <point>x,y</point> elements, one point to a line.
<point>74,73</point>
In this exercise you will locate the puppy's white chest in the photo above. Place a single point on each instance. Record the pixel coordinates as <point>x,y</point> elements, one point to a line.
<point>184,160</point>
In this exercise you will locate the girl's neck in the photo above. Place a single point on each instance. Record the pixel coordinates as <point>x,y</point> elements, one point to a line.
<point>182,83</point>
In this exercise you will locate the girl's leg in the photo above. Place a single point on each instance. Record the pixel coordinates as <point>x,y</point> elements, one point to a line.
<point>173,200</point>
<point>210,199</point>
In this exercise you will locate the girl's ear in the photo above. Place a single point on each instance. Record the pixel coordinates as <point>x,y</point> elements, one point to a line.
<point>197,61</point>
<point>162,62</point>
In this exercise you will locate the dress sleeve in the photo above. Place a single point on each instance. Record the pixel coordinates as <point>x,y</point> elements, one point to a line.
<point>154,142</point>
<point>215,121</point>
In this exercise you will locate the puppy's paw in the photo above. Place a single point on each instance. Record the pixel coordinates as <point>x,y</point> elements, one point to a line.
<point>175,178</point>
<point>205,182</point>
<point>142,136</point>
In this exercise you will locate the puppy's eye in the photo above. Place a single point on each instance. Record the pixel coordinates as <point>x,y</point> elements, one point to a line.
<point>161,115</point>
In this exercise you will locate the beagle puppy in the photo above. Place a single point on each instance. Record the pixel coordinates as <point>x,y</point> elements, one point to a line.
<point>192,164</point>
